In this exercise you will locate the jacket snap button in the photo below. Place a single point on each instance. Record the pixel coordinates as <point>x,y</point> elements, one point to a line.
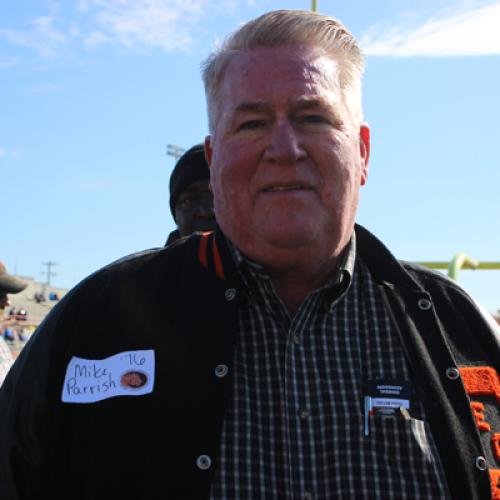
<point>230,293</point>
<point>203,462</point>
<point>221,371</point>
<point>424,304</point>
<point>452,373</point>
<point>481,463</point>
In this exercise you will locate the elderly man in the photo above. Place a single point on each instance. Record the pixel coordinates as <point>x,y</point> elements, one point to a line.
<point>288,355</point>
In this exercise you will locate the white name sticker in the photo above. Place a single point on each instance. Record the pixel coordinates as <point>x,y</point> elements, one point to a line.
<point>129,373</point>
<point>390,403</point>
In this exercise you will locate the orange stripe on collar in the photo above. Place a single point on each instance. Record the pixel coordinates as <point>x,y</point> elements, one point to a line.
<point>219,269</point>
<point>202,251</point>
<point>481,381</point>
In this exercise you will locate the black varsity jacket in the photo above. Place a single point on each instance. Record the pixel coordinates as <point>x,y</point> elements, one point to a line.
<point>121,391</point>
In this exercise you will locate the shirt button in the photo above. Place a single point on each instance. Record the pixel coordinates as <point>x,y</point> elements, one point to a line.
<point>295,339</point>
<point>481,463</point>
<point>304,414</point>
<point>221,371</point>
<point>424,304</point>
<point>230,294</point>
<point>203,462</point>
<point>308,495</point>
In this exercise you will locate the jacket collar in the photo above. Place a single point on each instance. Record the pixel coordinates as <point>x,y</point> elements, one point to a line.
<point>385,268</point>
<point>215,255</point>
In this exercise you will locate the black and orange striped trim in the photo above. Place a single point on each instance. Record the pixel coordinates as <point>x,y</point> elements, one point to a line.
<point>209,254</point>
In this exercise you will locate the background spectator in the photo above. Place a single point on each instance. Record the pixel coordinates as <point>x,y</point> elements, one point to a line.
<point>8,284</point>
<point>191,201</point>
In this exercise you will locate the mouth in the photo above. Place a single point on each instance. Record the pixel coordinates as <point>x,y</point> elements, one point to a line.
<point>292,187</point>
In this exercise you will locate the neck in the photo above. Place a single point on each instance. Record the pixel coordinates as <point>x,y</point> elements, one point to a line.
<point>296,271</point>
<point>293,285</point>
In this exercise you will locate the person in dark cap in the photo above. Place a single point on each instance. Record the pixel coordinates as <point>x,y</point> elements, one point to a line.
<point>191,201</point>
<point>8,284</point>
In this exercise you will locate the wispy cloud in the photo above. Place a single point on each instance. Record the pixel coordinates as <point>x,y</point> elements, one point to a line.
<point>95,39</point>
<point>466,31</point>
<point>4,153</point>
<point>142,24</point>
<point>135,25</point>
<point>44,88</point>
<point>41,36</point>
<point>8,62</point>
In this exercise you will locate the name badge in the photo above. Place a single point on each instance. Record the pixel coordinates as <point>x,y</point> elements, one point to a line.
<point>386,398</point>
<point>389,394</point>
<point>128,373</point>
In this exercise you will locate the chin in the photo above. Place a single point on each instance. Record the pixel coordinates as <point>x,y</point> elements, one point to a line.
<point>289,238</point>
<point>289,230</point>
<point>209,226</point>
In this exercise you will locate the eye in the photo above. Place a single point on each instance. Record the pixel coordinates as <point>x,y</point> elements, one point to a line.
<point>313,119</point>
<point>185,202</point>
<point>251,125</point>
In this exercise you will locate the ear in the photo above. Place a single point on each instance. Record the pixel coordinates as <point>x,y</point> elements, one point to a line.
<point>364,151</point>
<point>208,157</point>
<point>208,150</point>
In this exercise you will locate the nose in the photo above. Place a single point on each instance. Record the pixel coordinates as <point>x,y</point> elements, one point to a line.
<point>284,145</point>
<point>206,206</point>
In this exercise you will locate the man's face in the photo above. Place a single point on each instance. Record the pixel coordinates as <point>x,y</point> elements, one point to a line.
<point>286,159</point>
<point>194,209</point>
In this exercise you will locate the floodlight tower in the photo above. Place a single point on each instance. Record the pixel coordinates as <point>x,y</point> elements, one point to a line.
<point>175,151</point>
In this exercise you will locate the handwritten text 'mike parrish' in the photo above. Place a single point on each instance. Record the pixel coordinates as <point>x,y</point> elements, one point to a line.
<point>129,373</point>
<point>89,379</point>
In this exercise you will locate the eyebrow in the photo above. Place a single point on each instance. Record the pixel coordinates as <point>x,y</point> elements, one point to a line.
<point>303,102</point>
<point>311,102</point>
<point>306,103</point>
<point>253,106</point>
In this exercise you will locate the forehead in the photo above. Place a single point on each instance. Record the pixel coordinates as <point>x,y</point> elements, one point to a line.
<point>274,74</point>
<point>196,187</point>
<point>201,185</point>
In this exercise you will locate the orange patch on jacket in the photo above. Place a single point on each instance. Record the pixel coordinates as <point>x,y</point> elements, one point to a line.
<point>481,381</point>
<point>484,381</point>
<point>479,416</point>
<point>494,481</point>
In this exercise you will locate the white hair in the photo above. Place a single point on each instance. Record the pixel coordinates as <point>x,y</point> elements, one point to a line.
<point>289,27</point>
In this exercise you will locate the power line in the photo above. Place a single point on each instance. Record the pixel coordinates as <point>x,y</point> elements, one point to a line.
<point>49,272</point>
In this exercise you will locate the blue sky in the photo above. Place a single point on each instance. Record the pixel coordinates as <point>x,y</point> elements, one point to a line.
<point>92,91</point>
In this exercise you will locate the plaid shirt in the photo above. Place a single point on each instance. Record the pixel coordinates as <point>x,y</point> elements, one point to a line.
<point>295,425</point>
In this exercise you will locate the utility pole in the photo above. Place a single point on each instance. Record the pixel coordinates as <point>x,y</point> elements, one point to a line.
<point>49,273</point>
<point>175,151</point>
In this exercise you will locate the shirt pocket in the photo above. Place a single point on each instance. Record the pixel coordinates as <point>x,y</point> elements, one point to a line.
<point>397,440</point>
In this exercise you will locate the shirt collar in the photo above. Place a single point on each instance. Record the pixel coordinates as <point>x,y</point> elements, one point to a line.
<point>251,271</point>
